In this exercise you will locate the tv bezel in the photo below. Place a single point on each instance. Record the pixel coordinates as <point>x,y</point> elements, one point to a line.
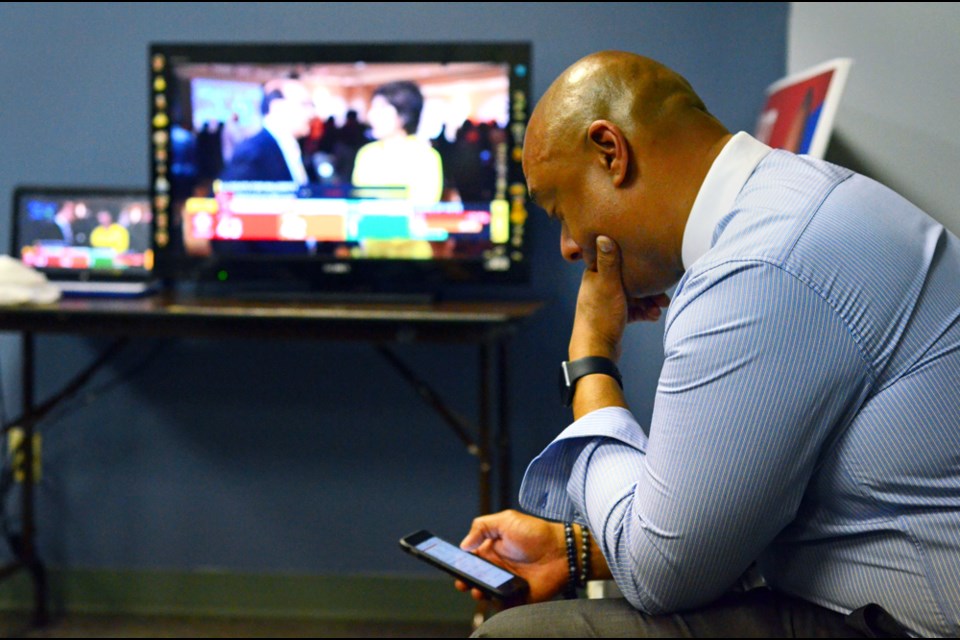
<point>354,277</point>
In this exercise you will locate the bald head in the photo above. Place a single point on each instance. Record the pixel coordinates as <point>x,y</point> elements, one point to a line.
<point>639,95</point>
<point>619,145</point>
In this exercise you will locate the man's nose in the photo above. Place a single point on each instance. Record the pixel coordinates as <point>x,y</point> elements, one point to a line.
<point>569,249</point>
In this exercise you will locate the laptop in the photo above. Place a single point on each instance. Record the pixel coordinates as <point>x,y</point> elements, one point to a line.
<point>87,241</point>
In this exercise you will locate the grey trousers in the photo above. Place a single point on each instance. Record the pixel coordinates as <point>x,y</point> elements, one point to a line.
<point>759,613</point>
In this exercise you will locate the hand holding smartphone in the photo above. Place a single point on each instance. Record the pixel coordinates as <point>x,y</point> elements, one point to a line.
<point>469,567</point>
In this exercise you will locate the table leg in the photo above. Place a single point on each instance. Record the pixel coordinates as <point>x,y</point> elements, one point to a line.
<point>483,435</point>
<point>504,448</point>
<point>27,547</point>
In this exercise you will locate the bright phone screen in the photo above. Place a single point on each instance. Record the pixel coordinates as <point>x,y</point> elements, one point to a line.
<point>472,565</point>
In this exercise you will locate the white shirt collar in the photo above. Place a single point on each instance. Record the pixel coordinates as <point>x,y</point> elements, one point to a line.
<point>728,173</point>
<point>291,153</point>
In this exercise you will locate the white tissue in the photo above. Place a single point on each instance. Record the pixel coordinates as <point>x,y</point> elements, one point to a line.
<point>20,284</point>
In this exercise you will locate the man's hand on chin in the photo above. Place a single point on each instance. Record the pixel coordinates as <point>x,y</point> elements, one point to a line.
<point>603,309</point>
<point>648,308</point>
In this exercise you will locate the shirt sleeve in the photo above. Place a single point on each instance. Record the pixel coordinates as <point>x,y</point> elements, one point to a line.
<point>760,373</point>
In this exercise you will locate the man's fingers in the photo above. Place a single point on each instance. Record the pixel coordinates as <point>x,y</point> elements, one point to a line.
<point>482,529</point>
<point>473,540</point>
<point>476,594</point>
<point>608,258</point>
<point>648,308</point>
<point>661,300</point>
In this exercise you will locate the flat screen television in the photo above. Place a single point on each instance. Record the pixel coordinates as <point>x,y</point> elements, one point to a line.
<point>346,169</point>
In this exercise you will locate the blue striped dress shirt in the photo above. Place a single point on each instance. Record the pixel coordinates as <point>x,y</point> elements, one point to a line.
<point>807,416</point>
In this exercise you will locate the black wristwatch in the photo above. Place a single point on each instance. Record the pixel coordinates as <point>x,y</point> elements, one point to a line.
<point>573,370</point>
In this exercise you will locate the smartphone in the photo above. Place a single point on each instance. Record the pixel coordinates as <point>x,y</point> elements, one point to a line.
<point>469,567</point>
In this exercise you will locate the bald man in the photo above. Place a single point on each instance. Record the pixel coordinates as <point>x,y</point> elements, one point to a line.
<point>801,476</point>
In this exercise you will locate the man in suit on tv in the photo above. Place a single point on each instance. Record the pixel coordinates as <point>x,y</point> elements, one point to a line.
<point>273,154</point>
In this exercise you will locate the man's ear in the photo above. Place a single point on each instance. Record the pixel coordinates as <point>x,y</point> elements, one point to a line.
<point>611,149</point>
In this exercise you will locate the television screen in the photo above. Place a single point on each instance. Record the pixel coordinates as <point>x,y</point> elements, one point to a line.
<point>378,168</point>
<point>85,239</point>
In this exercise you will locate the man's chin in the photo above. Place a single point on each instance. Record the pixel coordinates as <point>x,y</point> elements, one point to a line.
<point>649,289</point>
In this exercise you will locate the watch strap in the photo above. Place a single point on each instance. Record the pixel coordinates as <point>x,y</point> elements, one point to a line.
<point>573,370</point>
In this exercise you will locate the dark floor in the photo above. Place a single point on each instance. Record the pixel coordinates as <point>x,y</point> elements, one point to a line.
<point>112,626</point>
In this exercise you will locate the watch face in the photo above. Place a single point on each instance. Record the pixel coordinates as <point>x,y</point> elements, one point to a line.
<point>566,389</point>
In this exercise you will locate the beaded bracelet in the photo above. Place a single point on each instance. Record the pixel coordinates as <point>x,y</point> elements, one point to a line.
<point>584,556</point>
<point>576,580</point>
<point>571,590</point>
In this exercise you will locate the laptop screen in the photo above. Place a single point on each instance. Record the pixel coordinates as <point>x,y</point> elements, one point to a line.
<point>95,240</point>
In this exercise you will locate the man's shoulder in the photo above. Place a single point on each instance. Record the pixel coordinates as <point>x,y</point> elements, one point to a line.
<point>789,187</point>
<point>828,236</point>
<point>772,208</point>
<point>257,142</point>
<point>257,158</point>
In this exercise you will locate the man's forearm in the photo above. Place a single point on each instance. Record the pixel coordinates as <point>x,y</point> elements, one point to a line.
<point>596,391</point>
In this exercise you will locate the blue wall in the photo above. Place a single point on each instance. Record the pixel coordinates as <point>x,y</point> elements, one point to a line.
<point>301,457</point>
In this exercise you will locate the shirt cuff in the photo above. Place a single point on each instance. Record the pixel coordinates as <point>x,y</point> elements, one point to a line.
<point>543,491</point>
